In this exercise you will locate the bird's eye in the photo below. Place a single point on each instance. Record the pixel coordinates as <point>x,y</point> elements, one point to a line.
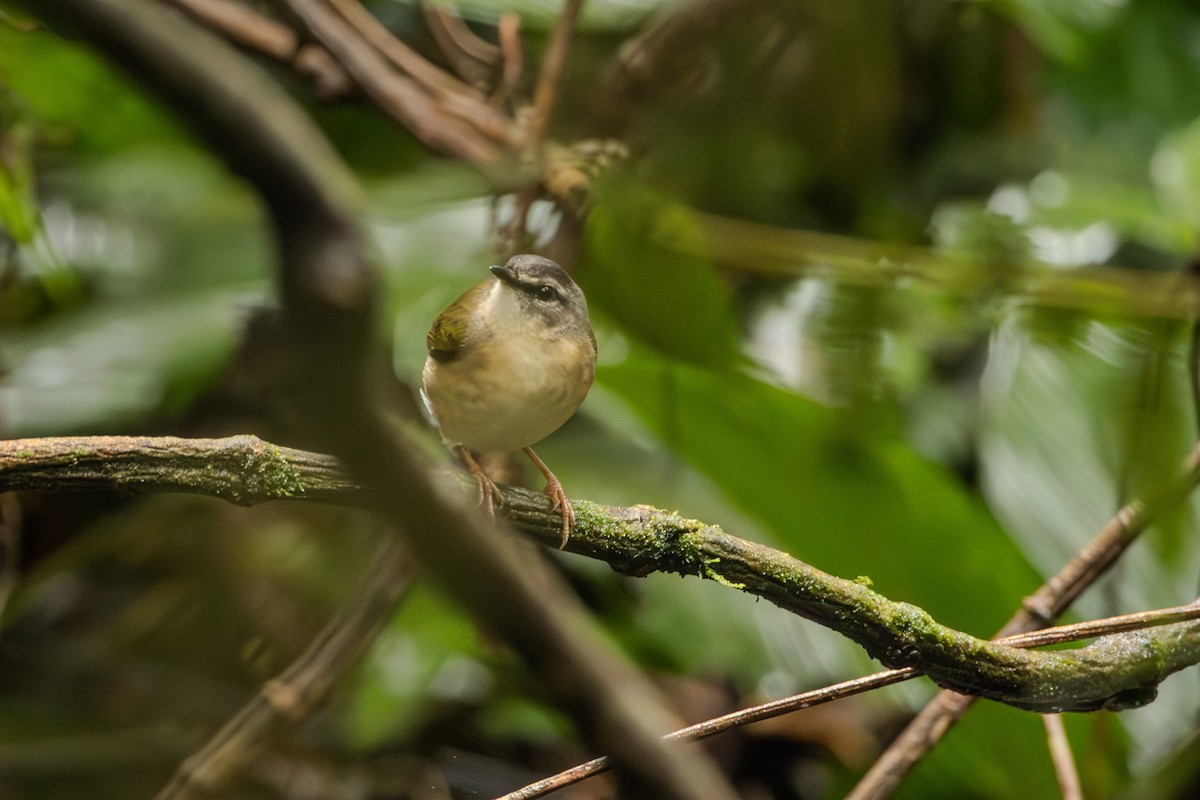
<point>545,293</point>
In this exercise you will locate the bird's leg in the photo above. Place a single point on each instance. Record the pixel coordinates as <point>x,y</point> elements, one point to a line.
<point>555,490</point>
<point>489,493</point>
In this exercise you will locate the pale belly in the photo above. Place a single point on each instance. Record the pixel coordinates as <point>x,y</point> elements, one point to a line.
<point>476,406</point>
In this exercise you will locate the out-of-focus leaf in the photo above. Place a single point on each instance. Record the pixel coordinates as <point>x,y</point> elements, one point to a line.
<point>77,96</point>
<point>120,363</point>
<point>429,656</point>
<point>1176,776</point>
<point>1128,61</point>
<point>1154,420</point>
<point>645,265</point>
<point>18,213</point>
<point>1068,432</point>
<point>1076,423</point>
<point>838,489</point>
<point>1175,170</point>
<point>1060,27</point>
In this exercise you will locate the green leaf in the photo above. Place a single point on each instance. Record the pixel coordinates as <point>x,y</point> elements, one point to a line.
<point>77,96</point>
<point>430,653</point>
<point>18,211</point>
<point>838,489</point>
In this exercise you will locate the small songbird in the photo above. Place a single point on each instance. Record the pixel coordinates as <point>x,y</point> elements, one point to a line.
<point>509,362</point>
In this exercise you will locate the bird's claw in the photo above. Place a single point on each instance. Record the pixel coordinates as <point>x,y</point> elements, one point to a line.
<point>559,501</point>
<point>489,495</point>
<point>489,492</point>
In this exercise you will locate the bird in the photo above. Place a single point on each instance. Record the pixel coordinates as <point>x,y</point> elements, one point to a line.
<point>508,363</point>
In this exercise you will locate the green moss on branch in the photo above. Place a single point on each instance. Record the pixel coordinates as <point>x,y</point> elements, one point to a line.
<point>1116,672</point>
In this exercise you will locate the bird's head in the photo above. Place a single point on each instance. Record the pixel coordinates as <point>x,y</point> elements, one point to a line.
<point>534,291</point>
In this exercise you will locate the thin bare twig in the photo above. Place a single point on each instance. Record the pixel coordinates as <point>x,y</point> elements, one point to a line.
<point>1061,757</point>
<point>721,724</point>
<point>878,680</point>
<point>296,693</point>
<point>1103,627</point>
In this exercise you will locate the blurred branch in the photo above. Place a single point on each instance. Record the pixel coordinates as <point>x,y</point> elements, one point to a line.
<point>248,28</point>
<point>545,94</point>
<point>402,56</point>
<point>1191,271</point>
<point>670,50</point>
<point>536,123</point>
<point>1117,673</point>
<point>786,253</point>
<point>295,694</point>
<point>398,94</point>
<point>470,56</point>
<point>11,525</point>
<point>837,691</point>
<point>444,113</point>
<point>329,298</point>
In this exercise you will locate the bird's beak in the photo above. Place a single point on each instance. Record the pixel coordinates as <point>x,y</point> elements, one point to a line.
<point>505,275</point>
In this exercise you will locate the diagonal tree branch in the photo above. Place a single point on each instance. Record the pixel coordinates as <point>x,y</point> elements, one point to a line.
<point>1118,672</point>
<point>329,299</point>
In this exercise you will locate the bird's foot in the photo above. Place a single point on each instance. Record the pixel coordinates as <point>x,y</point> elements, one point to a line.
<point>560,501</point>
<point>557,495</point>
<point>489,495</point>
<point>489,492</point>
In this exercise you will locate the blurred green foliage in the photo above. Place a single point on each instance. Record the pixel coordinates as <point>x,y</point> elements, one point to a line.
<point>951,440</point>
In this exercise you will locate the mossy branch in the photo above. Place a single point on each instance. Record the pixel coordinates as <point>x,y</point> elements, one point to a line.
<point>239,469</point>
<point>1116,672</point>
